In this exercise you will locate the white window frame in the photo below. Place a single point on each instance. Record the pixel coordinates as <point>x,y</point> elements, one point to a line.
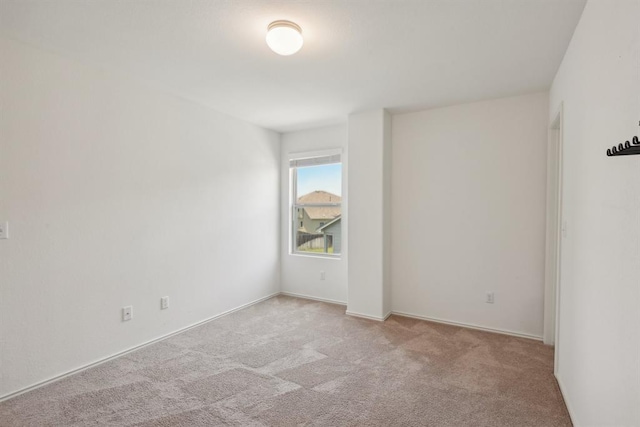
<point>293,197</point>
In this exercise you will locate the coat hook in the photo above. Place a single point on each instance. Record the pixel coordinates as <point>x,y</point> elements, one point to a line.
<point>625,149</point>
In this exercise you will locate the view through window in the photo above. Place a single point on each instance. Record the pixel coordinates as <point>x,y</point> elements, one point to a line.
<point>317,205</point>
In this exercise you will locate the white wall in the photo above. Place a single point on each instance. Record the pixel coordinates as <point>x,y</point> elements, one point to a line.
<point>599,337</point>
<point>118,195</point>
<point>468,213</point>
<point>369,154</point>
<point>301,273</point>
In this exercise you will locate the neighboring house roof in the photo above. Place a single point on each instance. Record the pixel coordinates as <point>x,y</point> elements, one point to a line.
<point>319,197</point>
<point>321,212</point>
<point>329,224</point>
<point>327,212</point>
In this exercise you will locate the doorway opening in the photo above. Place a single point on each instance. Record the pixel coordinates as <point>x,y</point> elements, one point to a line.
<point>555,231</point>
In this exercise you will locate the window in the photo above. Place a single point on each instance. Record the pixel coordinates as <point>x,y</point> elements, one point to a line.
<point>316,185</point>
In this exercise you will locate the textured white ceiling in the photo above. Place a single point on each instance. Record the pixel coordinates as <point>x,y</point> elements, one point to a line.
<point>358,54</point>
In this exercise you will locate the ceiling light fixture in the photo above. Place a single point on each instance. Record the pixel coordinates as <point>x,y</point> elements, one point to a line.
<point>284,37</point>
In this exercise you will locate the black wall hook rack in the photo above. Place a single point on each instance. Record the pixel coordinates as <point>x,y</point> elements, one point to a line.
<point>625,150</point>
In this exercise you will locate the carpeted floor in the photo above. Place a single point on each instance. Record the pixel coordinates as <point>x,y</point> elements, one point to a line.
<point>288,361</point>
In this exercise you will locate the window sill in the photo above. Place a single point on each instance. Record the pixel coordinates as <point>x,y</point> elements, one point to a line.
<point>316,255</point>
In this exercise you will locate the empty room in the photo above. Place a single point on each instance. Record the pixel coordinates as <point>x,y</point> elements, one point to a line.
<point>320,213</point>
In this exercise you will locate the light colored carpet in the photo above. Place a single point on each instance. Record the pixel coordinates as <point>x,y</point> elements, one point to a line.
<point>288,361</point>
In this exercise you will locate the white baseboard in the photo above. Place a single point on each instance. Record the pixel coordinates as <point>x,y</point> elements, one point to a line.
<point>330,301</point>
<point>129,350</point>
<point>416,316</point>
<point>470,326</point>
<point>367,316</point>
<point>574,420</point>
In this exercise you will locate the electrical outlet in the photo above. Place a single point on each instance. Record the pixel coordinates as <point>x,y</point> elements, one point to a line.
<point>4,230</point>
<point>164,303</point>
<point>127,313</point>
<point>489,298</point>
<point>322,275</point>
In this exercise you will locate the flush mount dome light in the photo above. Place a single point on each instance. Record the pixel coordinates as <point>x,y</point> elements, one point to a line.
<point>284,37</point>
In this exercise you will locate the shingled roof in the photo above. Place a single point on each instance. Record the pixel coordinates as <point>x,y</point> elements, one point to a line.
<point>319,197</point>
<point>330,223</point>
<point>323,212</point>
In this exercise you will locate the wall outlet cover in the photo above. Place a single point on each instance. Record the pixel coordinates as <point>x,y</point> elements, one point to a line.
<point>127,313</point>
<point>489,298</point>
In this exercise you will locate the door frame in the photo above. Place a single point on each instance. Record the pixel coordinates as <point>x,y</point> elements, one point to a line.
<point>554,233</point>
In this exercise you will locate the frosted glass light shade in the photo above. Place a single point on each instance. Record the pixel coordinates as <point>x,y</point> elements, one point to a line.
<point>284,37</point>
